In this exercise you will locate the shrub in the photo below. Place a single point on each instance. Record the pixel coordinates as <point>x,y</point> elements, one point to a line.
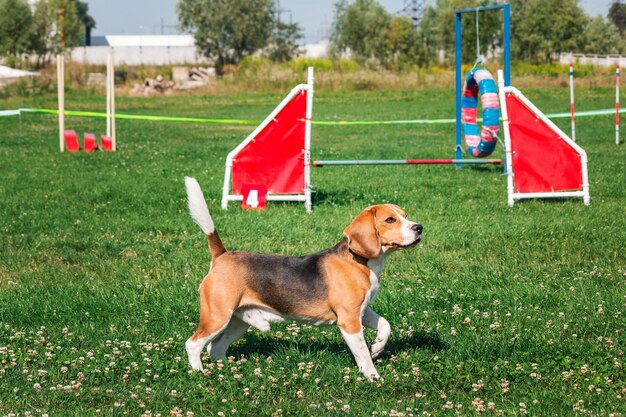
<point>300,65</point>
<point>346,65</point>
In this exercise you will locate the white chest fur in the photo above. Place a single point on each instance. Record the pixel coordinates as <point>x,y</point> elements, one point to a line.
<point>375,266</point>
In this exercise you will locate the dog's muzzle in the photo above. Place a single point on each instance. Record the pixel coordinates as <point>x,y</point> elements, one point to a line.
<point>417,230</point>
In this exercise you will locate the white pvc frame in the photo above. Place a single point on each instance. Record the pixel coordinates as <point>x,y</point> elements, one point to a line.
<point>110,107</point>
<point>306,196</point>
<point>512,195</point>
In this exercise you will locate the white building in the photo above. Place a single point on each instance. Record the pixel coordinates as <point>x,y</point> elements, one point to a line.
<point>140,50</point>
<point>157,50</point>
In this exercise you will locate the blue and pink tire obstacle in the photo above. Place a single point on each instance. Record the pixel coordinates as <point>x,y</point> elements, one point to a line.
<point>480,143</point>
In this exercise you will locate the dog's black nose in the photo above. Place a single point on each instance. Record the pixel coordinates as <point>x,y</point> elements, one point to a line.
<point>417,227</point>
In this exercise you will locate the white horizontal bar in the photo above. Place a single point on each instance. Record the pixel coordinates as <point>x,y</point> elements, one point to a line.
<point>549,195</point>
<point>9,113</point>
<point>272,197</point>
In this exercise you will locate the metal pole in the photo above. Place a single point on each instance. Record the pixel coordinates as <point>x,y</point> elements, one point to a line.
<point>506,32</point>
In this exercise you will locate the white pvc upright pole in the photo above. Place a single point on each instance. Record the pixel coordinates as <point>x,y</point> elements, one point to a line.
<point>308,204</point>
<point>508,153</point>
<point>108,88</point>
<point>571,100</point>
<point>112,72</point>
<point>61,99</point>
<point>617,104</point>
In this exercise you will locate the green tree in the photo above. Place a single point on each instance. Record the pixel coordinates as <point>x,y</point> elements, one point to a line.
<point>56,27</point>
<point>544,28</point>
<point>284,42</point>
<point>428,50</point>
<point>371,35</point>
<point>401,43</point>
<point>359,28</point>
<point>227,30</point>
<point>16,20</point>
<point>601,37</point>
<point>617,15</point>
<point>88,22</point>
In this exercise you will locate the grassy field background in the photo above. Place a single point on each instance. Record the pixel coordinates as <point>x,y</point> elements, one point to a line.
<point>500,311</point>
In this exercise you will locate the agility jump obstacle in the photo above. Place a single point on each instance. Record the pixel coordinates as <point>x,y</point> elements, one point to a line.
<point>273,162</point>
<point>479,143</point>
<point>617,106</point>
<point>68,139</point>
<point>542,161</point>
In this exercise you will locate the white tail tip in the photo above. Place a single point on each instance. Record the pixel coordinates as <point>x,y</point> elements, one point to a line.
<point>197,206</point>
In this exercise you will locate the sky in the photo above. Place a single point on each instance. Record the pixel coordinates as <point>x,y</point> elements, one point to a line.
<point>155,17</point>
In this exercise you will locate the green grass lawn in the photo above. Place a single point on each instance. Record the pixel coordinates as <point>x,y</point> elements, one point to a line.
<point>500,311</point>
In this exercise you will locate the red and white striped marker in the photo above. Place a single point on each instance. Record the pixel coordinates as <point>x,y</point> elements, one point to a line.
<point>571,100</point>
<point>617,104</point>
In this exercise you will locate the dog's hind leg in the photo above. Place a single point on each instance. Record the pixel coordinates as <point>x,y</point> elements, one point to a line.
<point>374,321</point>
<point>195,344</point>
<point>214,319</point>
<point>235,329</point>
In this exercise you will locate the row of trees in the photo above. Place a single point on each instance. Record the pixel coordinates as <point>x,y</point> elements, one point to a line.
<point>43,29</point>
<point>541,29</point>
<point>228,30</point>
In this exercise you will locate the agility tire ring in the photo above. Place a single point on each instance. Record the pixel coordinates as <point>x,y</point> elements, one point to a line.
<point>480,143</point>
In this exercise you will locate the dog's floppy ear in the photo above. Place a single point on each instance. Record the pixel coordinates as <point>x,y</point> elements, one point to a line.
<point>362,235</point>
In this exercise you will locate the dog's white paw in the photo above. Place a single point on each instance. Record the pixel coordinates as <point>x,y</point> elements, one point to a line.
<point>193,354</point>
<point>374,376</point>
<point>377,348</point>
<point>196,365</point>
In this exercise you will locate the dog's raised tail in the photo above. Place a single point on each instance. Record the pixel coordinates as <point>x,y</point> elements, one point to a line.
<point>200,213</point>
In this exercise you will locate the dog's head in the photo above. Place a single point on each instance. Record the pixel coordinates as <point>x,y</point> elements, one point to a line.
<point>382,228</point>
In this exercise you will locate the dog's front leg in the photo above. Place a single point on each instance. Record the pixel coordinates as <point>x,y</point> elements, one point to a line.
<point>352,333</point>
<point>374,321</point>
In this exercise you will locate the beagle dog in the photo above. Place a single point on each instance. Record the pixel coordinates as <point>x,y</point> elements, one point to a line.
<point>336,285</point>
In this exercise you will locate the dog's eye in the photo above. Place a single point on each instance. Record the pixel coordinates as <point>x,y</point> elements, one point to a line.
<point>390,220</point>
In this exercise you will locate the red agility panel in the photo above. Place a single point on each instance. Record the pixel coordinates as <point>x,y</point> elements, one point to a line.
<point>542,161</point>
<point>71,140</point>
<point>106,142</point>
<point>89,142</point>
<point>274,158</point>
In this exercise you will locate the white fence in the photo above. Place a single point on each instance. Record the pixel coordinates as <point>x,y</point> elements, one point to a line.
<point>138,55</point>
<point>599,60</point>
